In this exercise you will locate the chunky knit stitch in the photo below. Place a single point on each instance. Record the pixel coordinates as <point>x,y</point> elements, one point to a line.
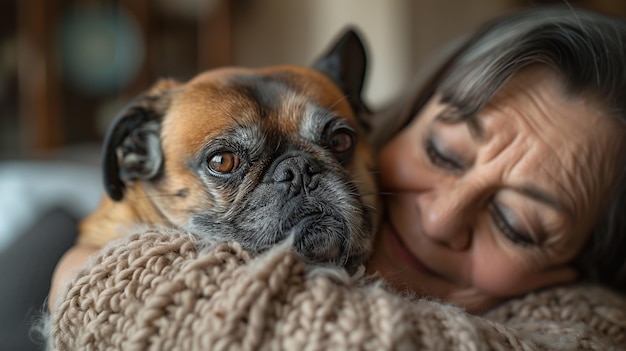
<point>157,292</point>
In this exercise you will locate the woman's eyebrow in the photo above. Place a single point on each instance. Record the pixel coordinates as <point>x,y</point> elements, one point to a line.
<point>539,195</point>
<point>474,124</point>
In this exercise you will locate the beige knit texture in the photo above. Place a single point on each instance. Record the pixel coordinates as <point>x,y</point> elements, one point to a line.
<point>157,292</point>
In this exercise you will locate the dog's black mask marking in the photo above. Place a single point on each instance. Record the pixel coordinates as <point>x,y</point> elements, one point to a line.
<point>312,198</point>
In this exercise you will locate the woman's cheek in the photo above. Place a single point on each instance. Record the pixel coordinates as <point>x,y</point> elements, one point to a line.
<point>497,273</point>
<point>400,163</point>
<point>391,165</point>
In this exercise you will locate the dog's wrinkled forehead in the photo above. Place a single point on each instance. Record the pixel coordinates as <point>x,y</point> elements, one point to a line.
<point>288,101</point>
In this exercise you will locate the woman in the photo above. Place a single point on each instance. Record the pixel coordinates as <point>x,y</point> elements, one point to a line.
<point>508,176</point>
<point>505,178</point>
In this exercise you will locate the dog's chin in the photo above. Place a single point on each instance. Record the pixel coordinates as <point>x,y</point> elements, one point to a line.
<point>323,240</point>
<point>320,238</point>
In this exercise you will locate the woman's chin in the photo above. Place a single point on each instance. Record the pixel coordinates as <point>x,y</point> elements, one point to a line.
<point>399,268</point>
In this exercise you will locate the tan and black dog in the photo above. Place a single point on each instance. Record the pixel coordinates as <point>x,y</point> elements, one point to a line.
<point>248,155</point>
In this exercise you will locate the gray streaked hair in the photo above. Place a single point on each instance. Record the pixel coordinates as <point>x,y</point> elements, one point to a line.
<point>588,51</point>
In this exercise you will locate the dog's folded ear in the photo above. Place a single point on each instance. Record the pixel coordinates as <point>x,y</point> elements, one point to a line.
<point>345,63</point>
<point>132,146</point>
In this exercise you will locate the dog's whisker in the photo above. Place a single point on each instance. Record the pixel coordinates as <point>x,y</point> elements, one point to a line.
<point>152,196</point>
<point>345,97</point>
<point>389,193</point>
<point>368,193</point>
<point>371,207</point>
<point>228,113</point>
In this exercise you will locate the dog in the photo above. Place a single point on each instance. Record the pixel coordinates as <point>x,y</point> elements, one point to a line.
<point>254,156</point>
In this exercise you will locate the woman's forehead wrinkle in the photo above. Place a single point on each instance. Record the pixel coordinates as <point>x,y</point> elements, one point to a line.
<point>566,158</point>
<point>560,169</point>
<point>536,174</point>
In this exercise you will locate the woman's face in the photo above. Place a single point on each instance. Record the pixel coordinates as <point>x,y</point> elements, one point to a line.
<point>481,210</point>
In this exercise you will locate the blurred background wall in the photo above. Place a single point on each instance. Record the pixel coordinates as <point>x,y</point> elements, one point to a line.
<point>67,66</point>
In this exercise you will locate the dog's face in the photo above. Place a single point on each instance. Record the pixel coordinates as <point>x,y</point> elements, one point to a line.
<point>254,156</point>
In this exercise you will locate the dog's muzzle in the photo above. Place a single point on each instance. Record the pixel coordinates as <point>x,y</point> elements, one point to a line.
<point>315,207</point>
<point>313,202</point>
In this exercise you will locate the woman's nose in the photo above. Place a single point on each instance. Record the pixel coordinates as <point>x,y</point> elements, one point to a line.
<point>446,217</point>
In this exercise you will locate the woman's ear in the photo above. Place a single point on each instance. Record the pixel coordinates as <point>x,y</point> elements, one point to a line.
<point>345,63</point>
<point>132,146</point>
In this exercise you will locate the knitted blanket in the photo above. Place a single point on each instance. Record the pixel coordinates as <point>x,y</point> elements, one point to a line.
<point>158,292</point>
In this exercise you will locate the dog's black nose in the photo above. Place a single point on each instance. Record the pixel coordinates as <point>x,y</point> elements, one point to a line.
<point>295,171</point>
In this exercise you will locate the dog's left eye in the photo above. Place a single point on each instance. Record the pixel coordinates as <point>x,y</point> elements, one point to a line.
<point>224,162</point>
<point>341,141</point>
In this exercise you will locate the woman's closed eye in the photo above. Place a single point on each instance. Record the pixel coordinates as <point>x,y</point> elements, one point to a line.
<point>441,159</point>
<point>500,218</point>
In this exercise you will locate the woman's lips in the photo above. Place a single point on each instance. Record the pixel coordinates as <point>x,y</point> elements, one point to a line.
<point>405,255</point>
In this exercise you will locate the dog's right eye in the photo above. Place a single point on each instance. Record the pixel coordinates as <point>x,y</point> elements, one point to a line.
<point>341,141</point>
<point>224,162</point>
